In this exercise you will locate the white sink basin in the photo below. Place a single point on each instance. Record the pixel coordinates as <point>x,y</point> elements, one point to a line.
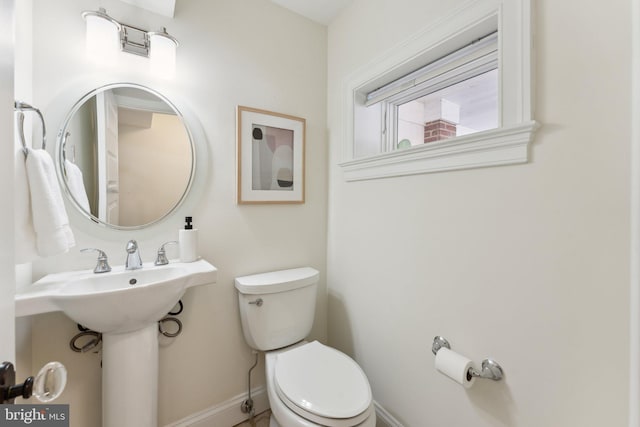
<point>118,301</point>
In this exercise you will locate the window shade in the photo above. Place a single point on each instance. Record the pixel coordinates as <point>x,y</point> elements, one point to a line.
<point>480,54</point>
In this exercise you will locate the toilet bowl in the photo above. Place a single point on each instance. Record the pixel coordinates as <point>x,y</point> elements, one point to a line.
<point>308,383</point>
<point>315,385</point>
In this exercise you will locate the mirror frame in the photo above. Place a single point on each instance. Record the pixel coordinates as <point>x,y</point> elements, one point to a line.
<point>60,155</point>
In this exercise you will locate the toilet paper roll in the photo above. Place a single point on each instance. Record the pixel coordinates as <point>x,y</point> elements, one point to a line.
<point>455,366</point>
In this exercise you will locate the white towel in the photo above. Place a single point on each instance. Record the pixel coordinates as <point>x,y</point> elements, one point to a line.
<point>50,221</point>
<point>75,183</point>
<point>25,236</point>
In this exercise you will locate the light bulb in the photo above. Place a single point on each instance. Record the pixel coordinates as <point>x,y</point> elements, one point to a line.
<point>162,54</point>
<point>102,38</point>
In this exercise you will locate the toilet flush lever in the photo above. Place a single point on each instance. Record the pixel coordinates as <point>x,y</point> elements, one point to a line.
<point>257,302</point>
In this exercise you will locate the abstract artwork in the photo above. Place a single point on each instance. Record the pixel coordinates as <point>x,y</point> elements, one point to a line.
<point>270,157</point>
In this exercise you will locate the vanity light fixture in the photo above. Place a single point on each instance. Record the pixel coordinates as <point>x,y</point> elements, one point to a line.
<point>106,35</point>
<point>103,34</point>
<point>162,54</point>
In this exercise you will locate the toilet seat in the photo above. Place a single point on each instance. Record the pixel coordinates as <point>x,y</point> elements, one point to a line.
<point>323,385</point>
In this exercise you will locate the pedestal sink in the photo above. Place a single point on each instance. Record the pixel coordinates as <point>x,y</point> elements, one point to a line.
<point>124,306</point>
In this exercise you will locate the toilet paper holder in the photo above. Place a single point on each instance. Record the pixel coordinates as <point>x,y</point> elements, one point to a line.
<point>490,368</point>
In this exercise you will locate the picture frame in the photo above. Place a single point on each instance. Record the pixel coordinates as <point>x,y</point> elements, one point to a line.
<point>271,157</point>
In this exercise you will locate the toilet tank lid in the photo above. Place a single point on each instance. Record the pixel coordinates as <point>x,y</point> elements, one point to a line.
<point>277,281</point>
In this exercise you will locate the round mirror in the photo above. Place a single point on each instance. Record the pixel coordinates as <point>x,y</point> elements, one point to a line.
<point>126,156</point>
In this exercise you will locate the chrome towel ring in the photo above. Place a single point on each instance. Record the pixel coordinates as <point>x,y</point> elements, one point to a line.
<point>20,106</point>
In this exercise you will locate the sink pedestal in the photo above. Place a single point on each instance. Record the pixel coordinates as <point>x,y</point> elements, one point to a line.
<point>130,378</point>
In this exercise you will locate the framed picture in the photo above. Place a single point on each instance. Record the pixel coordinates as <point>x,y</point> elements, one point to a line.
<point>270,157</point>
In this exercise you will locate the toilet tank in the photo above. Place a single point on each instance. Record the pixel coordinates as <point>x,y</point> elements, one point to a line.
<point>277,308</point>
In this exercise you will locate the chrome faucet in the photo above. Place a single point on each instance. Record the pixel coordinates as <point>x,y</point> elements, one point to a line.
<point>162,259</point>
<point>103,265</point>
<point>133,256</point>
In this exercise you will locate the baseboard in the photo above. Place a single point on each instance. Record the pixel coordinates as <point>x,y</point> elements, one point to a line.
<point>384,418</point>
<point>228,413</point>
<point>225,414</point>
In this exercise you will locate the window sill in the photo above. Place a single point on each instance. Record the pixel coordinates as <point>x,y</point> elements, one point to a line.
<point>503,146</point>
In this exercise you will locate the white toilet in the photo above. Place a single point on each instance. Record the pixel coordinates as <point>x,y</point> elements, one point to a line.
<point>308,384</point>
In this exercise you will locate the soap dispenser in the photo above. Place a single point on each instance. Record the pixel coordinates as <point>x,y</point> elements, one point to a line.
<point>188,241</point>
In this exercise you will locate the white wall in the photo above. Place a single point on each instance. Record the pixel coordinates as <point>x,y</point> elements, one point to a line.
<point>7,259</point>
<point>231,52</point>
<point>23,91</point>
<point>527,264</point>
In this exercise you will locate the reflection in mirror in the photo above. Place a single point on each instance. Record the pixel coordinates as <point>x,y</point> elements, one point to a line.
<point>126,156</point>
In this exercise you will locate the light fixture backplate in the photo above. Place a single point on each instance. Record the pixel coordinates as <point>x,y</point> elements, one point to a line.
<point>134,40</point>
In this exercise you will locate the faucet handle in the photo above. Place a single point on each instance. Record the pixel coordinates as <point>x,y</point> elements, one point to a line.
<point>132,246</point>
<point>162,255</point>
<point>103,265</point>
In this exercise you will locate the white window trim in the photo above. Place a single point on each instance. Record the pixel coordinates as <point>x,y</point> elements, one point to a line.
<point>508,144</point>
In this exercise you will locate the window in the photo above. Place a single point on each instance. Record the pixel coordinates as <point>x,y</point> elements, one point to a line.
<point>463,101</point>
<point>463,108</point>
<point>452,96</point>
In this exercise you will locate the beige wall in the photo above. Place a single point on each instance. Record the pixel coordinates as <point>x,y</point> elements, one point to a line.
<point>231,52</point>
<point>157,158</point>
<point>527,264</point>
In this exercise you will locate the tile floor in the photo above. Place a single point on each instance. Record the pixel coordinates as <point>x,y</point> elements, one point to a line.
<point>260,420</point>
